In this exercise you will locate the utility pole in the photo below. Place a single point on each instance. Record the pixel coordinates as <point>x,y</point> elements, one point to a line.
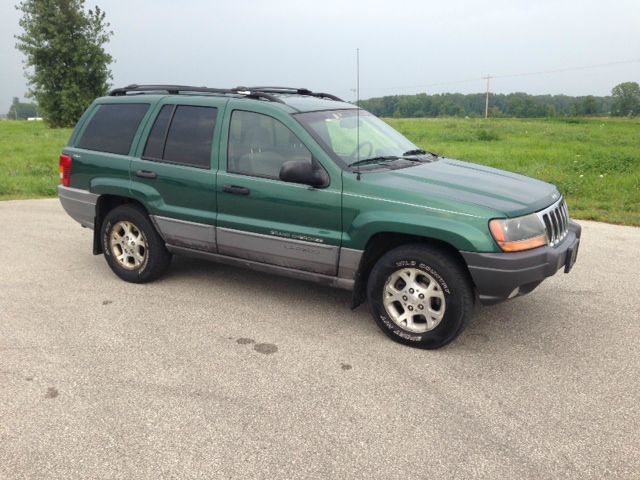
<point>486,99</point>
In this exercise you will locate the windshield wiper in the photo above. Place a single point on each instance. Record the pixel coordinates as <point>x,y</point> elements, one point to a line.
<point>382,159</point>
<point>417,151</point>
<point>378,159</point>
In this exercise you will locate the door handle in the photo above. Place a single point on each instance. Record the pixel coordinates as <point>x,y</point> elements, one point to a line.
<point>146,174</point>
<point>236,190</point>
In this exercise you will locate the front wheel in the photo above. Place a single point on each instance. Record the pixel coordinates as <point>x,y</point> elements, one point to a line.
<point>420,296</point>
<point>132,247</point>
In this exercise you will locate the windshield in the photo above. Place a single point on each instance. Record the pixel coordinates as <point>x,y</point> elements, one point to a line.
<point>338,130</point>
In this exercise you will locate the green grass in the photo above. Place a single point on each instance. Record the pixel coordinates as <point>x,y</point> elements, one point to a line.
<point>29,154</point>
<point>594,162</point>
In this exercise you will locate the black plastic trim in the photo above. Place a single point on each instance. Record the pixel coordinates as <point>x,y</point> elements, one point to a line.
<point>295,91</point>
<point>266,93</point>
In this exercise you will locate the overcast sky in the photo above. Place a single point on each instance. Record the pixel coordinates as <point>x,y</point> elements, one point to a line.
<point>405,46</point>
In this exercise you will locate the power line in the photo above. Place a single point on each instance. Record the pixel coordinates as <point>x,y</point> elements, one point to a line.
<point>569,69</point>
<point>438,84</point>
<point>510,75</point>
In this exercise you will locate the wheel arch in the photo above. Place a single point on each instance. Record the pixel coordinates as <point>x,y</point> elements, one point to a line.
<point>104,205</point>
<point>382,242</point>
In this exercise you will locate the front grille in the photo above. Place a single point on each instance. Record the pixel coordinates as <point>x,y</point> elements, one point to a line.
<point>556,221</point>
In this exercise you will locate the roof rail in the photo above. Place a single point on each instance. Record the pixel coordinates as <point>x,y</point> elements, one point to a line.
<point>187,89</point>
<point>266,93</point>
<point>295,91</point>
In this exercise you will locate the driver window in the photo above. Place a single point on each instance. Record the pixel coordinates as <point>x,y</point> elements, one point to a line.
<point>259,145</point>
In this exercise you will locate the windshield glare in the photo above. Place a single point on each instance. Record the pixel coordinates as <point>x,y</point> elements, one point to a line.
<point>338,129</point>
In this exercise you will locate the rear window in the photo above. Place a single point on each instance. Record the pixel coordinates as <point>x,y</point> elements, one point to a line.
<point>112,127</point>
<point>187,140</point>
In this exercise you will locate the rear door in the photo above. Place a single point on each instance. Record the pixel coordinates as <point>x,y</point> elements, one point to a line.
<point>261,218</point>
<point>174,170</point>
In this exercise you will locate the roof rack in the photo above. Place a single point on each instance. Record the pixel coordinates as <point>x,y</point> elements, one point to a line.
<point>187,89</point>
<point>294,91</point>
<point>266,93</point>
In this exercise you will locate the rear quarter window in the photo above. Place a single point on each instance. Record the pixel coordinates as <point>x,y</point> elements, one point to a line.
<point>112,127</point>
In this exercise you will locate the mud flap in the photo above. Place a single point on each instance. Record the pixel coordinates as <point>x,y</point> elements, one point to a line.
<point>358,295</point>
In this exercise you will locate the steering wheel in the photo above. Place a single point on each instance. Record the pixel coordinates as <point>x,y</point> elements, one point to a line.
<point>360,147</point>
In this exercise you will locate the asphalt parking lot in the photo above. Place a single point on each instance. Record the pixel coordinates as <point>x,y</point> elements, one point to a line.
<point>218,372</point>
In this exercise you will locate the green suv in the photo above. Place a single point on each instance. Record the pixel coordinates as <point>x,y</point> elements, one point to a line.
<point>303,184</point>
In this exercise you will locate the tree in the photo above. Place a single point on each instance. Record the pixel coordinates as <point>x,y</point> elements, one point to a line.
<point>626,99</point>
<point>588,105</point>
<point>22,111</point>
<point>66,64</point>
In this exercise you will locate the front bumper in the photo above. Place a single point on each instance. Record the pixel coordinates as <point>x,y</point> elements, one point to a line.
<point>499,276</point>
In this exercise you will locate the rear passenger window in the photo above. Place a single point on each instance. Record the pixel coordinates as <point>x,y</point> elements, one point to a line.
<point>112,127</point>
<point>183,135</point>
<point>259,145</point>
<point>155,143</point>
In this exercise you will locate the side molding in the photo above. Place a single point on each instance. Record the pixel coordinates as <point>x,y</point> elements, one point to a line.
<point>193,235</point>
<point>284,252</point>
<point>79,204</point>
<point>266,268</point>
<point>349,262</point>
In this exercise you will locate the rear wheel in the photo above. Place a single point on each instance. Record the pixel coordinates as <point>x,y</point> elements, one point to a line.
<point>420,296</point>
<point>132,247</point>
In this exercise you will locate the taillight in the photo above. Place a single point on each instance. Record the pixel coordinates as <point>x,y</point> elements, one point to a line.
<point>65,170</point>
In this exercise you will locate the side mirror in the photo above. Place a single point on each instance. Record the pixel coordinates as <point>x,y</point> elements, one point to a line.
<point>303,171</point>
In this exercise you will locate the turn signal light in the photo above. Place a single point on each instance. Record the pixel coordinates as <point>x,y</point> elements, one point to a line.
<point>518,234</point>
<point>65,170</point>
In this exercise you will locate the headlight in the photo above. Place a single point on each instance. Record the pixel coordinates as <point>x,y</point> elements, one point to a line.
<point>517,234</point>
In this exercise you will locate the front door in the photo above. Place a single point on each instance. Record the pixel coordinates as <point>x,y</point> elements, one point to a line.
<point>263,219</point>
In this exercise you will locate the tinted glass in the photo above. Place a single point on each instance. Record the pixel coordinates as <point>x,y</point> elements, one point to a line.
<point>190,136</point>
<point>259,145</point>
<point>113,127</point>
<point>155,142</point>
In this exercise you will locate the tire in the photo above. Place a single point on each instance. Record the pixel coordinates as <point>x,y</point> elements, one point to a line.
<point>131,245</point>
<point>420,296</point>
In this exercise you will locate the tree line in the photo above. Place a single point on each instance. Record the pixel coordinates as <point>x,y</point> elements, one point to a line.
<point>624,101</point>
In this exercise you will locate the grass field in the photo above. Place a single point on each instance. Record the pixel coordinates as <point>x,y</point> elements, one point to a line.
<point>594,162</point>
<point>29,154</point>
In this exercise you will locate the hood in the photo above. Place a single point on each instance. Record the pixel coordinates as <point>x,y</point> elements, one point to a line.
<point>509,193</point>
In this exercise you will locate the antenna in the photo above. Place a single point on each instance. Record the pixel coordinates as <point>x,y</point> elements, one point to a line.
<point>358,110</point>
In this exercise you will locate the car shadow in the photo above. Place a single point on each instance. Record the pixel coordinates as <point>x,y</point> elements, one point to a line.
<point>504,324</point>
